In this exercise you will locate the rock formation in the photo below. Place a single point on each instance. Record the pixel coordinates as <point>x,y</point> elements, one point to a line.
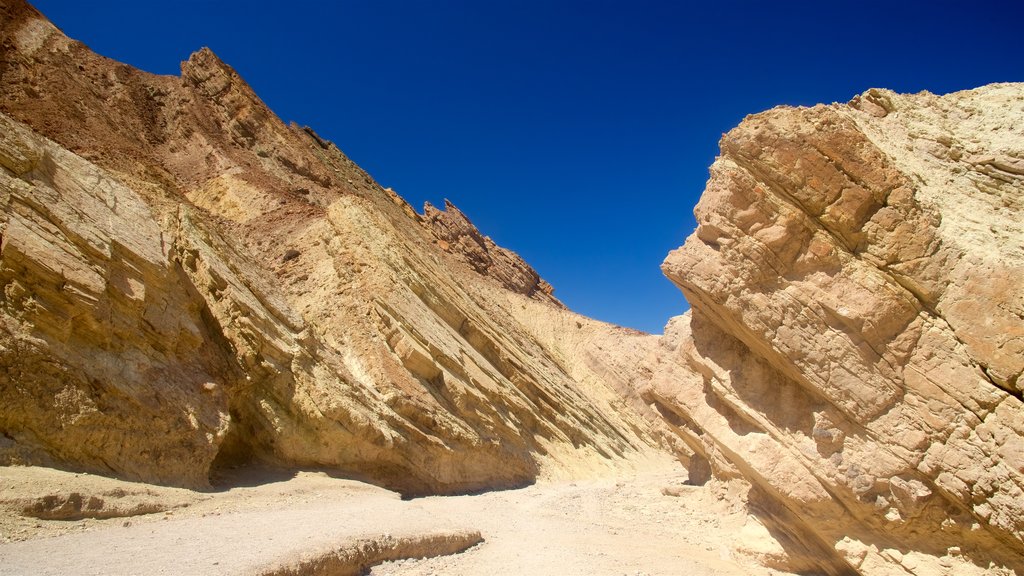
<point>856,341</point>
<point>456,234</point>
<point>189,283</point>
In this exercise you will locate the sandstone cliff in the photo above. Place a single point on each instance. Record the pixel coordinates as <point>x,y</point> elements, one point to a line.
<point>189,283</point>
<point>856,341</point>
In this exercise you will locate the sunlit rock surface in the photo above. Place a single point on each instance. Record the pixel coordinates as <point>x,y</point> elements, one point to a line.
<point>189,283</point>
<point>857,334</point>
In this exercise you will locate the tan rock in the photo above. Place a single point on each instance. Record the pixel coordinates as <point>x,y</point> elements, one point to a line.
<point>190,284</point>
<point>856,328</point>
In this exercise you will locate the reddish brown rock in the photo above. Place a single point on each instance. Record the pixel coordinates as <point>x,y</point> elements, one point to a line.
<point>188,283</point>
<point>457,235</point>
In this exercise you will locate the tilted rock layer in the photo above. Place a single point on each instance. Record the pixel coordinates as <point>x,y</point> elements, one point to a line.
<point>189,283</point>
<point>856,342</point>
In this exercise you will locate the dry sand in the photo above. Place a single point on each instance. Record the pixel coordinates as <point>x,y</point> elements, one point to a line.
<point>270,523</point>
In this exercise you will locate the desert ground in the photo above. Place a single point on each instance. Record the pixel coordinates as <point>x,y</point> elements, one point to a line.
<point>262,521</point>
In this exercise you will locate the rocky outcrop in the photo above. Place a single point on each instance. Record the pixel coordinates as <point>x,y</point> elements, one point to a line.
<point>93,313</point>
<point>189,284</point>
<point>457,235</point>
<point>857,333</point>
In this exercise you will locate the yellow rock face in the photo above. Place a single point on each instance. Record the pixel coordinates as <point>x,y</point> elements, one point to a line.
<point>188,284</point>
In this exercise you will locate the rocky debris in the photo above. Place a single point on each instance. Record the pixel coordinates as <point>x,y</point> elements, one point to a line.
<point>855,345</point>
<point>457,235</point>
<point>75,506</point>
<point>156,325</point>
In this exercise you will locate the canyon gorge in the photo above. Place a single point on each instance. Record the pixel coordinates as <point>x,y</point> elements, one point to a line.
<point>194,289</point>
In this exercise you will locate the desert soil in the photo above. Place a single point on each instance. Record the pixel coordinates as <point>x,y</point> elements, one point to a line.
<point>268,521</point>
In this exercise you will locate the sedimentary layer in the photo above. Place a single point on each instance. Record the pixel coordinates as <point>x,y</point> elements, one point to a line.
<point>190,283</point>
<point>856,340</point>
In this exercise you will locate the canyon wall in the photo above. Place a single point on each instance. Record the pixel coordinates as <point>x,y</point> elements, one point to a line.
<point>190,284</point>
<point>856,339</point>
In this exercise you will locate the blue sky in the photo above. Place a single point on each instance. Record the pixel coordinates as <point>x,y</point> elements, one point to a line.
<point>576,133</point>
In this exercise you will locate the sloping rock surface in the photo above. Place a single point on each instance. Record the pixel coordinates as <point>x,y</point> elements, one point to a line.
<point>189,283</point>
<point>856,341</point>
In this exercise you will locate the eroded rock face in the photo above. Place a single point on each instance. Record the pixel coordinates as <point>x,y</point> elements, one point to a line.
<point>456,234</point>
<point>189,283</point>
<point>94,312</point>
<point>857,334</point>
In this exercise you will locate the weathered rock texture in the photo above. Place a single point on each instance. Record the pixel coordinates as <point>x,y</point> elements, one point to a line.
<point>857,334</point>
<point>456,234</point>
<point>189,283</point>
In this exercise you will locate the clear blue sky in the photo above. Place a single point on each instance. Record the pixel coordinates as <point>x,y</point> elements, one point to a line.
<point>576,133</point>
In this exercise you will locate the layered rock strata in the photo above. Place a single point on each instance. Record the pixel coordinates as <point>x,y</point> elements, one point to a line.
<point>189,283</point>
<point>456,234</point>
<point>856,341</point>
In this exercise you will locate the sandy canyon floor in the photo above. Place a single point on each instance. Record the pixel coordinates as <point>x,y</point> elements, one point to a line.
<point>643,523</point>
